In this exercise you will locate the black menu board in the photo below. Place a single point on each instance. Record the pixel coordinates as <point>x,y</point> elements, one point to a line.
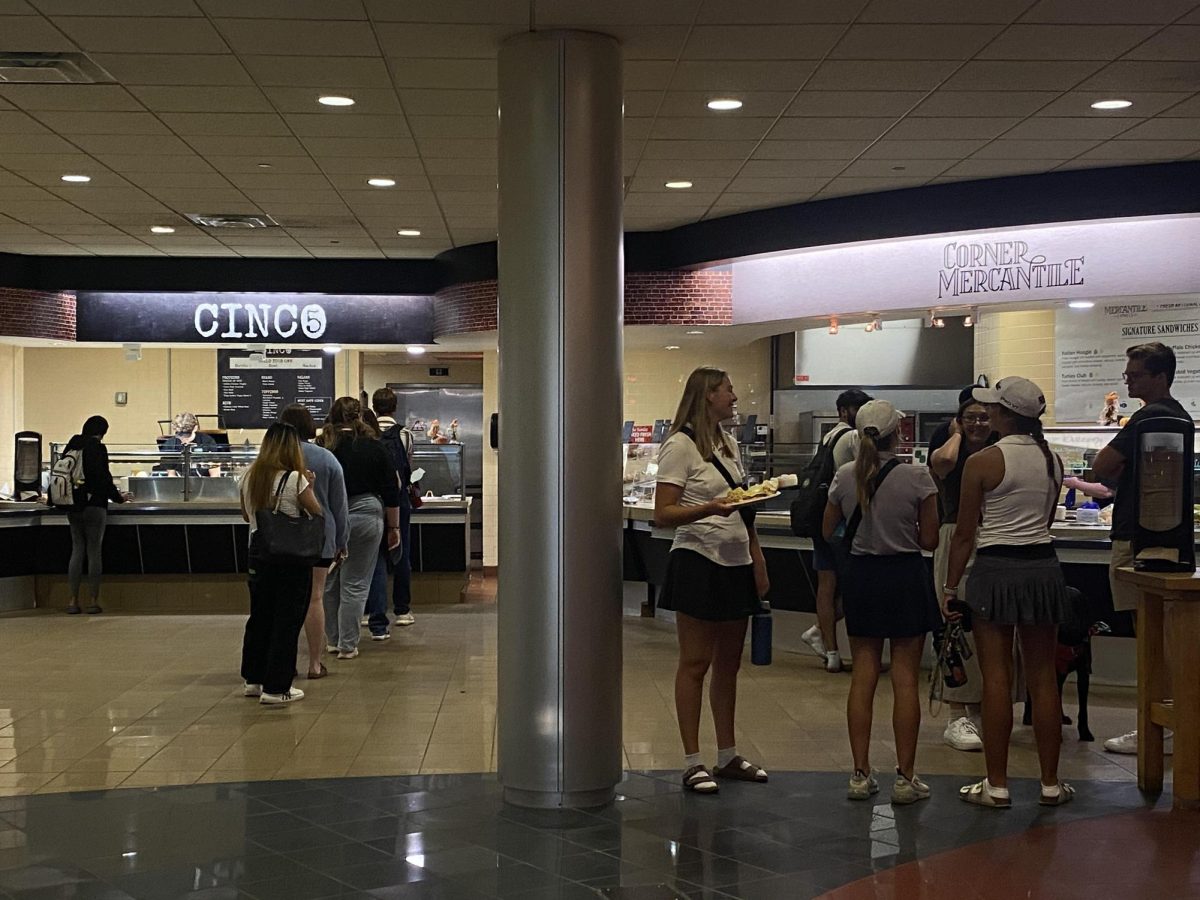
<point>254,387</point>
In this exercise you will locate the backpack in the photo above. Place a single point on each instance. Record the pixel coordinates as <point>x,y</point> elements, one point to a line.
<point>808,509</point>
<point>397,441</point>
<point>66,476</point>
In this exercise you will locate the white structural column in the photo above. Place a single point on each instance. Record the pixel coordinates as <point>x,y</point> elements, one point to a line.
<point>560,258</point>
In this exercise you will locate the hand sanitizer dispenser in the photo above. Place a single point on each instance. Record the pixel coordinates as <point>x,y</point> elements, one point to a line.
<point>1162,476</point>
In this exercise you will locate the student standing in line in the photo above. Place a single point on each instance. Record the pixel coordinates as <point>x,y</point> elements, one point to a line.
<point>374,496</point>
<point>279,592</point>
<point>968,433</point>
<point>716,572</point>
<point>822,637</point>
<point>89,516</point>
<point>398,443</point>
<point>330,488</point>
<point>1009,493</point>
<point>886,590</point>
<point>1149,373</point>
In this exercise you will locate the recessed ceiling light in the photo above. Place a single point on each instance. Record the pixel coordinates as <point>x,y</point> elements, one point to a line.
<point>381,182</point>
<point>335,100</point>
<point>77,179</point>
<point>678,185</point>
<point>265,165</point>
<point>1112,104</point>
<point>725,103</point>
<point>671,347</point>
<point>415,350</point>
<point>162,229</point>
<point>332,348</point>
<point>409,232</point>
<point>695,332</point>
<point>1081,304</point>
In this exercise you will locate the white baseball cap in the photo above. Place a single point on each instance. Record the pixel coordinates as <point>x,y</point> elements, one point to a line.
<point>1018,394</point>
<point>880,415</point>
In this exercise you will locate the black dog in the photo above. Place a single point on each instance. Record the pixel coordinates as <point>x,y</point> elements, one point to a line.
<point>1074,655</point>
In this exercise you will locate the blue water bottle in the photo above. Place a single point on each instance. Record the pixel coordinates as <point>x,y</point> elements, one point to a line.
<point>760,636</point>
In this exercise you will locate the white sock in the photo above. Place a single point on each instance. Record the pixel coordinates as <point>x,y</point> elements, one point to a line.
<point>1000,793</point>
<point>691,759</point>
<point>725,757</point>
<point>1051,790</point>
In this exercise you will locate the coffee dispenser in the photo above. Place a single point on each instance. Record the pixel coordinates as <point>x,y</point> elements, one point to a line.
<point>27,458</point>
<point>1162,476</point>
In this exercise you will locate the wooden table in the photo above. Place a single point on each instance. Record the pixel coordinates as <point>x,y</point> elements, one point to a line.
<point>1155,710</point>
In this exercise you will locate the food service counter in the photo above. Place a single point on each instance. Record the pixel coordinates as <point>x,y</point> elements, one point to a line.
<point>197,540</point>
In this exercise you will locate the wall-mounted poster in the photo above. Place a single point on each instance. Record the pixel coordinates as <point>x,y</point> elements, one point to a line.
<point>1090,355</point>
<point>253,388</point>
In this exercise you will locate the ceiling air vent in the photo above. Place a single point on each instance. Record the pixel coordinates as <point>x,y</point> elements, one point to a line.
<point>51,68</point>
<point>232,220</point>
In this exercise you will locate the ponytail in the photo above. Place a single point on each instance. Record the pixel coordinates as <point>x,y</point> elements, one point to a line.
<point>866,466</point>
<point>1032,426</point>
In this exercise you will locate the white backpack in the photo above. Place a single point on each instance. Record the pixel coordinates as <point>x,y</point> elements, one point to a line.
<point>66,475</point>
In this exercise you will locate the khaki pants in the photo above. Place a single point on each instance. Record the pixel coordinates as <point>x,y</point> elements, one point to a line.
<point>1124,595</point>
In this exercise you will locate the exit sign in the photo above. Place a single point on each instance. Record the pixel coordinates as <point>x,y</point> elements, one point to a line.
<point>438,372</point>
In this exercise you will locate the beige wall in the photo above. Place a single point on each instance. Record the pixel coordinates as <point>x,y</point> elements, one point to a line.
<point>1018,343</point>
<point>491,462</point>
<point>12,406</point>
<point>654,379</point>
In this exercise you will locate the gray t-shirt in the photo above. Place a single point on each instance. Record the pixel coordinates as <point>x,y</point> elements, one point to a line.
<point>846,448</point>
<point>889,524</point>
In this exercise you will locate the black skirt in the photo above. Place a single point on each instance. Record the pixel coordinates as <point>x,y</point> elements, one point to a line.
<point>703,589</point>
<point>888,596</point>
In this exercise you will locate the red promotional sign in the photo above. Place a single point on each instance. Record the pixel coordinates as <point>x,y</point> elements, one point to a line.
<point>642,434</point>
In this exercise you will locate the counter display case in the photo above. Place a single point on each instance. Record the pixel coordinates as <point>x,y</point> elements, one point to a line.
<point>443,465</point>
<point>190,474</point>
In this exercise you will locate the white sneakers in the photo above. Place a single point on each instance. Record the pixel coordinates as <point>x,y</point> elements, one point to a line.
<point>862,785</point>
<point>347,654</point>
<point>251,690</point>
<point>833,661</point>
<point>406,619</point>
<point>963,734</point>
<point>813,638</point>
<point>1128,743</point>
<point>908,790</point>
<point>277,699</point>
<point>382,636</point>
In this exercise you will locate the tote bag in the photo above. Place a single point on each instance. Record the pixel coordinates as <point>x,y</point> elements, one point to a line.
<point>283,540</point>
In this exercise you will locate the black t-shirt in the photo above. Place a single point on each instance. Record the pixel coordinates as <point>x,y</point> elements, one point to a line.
<point>1123,523</point>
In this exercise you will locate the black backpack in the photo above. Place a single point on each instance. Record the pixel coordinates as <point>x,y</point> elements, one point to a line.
<point>808,509</point>
<point>397,451</point>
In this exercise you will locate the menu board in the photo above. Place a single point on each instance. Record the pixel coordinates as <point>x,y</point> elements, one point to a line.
<point>254,387</point>
<point>1090,350</point>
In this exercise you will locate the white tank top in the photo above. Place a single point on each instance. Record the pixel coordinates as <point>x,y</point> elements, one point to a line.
<point>1018,510</point>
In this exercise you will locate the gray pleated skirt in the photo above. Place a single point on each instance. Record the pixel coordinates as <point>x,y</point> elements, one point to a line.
<point>1018,589</point>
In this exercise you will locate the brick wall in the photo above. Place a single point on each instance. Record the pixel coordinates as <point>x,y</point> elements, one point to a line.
<point>37,314</point>
<point>703,297</point>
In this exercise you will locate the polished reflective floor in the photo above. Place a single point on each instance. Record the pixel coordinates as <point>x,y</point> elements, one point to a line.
<point>131,766</point>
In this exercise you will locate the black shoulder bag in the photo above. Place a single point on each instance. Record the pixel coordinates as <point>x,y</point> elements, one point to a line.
<point>283,540</point>
<point>746,512</point>
<point>842,547</point>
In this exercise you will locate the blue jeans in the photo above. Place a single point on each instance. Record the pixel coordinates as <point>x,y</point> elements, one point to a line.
<point>401,588</point>
<point>348,585</point>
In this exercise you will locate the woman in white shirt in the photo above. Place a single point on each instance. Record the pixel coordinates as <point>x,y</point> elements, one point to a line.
<point>1009,492</point>
<point>278,593</point>
<point>716,573</point>
<point>887,590</point>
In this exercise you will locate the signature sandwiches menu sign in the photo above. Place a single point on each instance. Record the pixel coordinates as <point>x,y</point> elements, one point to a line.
<point>253,388</point>
<point>275,318</point>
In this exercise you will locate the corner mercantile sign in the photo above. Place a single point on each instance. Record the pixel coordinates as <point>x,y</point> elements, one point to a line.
<point>286,319</point>
<point>977,267</point>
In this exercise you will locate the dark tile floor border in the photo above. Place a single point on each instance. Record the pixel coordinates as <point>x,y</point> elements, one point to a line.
<point>451,836</point>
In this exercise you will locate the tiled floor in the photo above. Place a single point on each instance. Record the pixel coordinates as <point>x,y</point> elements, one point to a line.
<point>97,702</point>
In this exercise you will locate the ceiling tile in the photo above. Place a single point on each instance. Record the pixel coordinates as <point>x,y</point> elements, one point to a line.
<point>724,75</point>
<point>747,184</point>
<point>577,13</point>
<point>268,197</point>
<point>984,103</point>
<point>1047,42</point>
<point>792,168</point>
<point>866,75</point>
<point>997,168</point>
<point>897,168</point>
<point>445,74</point>
<point>829,129</point>
<point>446,41</point>
<point>1165,130</point>
<point>24,194</point>
<point>13,122</point>
<point>895,41</point>
<point>654,185</point>
<point>284,9</point>
<point>279,165</point>
<point>370,166</point>
<point>457,148</point>
<point>841,187</point>
<point>127,123</point>
<point>649,75</point>
<point>1186,108</point>
<point>37,143</point>
<point>202,99</point>
<point>698,149</point>
<point>514,12</point>
<point>739,199</point>
<point>137,162</point>
<point>1000,11</point>
<point>84,97</point>
<point>707,128</point>
<point>854,103</point>
<point>467,166</point>
<point>118,34</point>
<point>33,34</point>
<point>325,72</point>
<point>692,103</point>
<point>1145,103</point>
<point>332,146</point>
<point>1041,128</point>
<point>421,102</point>
<point>367,101</point>
<point>999,75</point>
<point>1147,150</point>
<point>757,42</point>
<point>453,126</point>
<point>356,192</point>
<point>189,199</point>
<point>1074,12</point>
<point>267,180</point>
<point>173,68</point>
<point>245,145</point>
<point>1131,75</point>
<point>664,169</point>
<point>290,37</point>
<point>226,124</point>
<point>934,128</point>
<point>1005,149</point>
<point>778,12</point>
<point>649,41</point>
<point>28,163</point>
<point>945,149</point>
<point>846,150</point>
<point>347,125</point>
<point>151,181</point>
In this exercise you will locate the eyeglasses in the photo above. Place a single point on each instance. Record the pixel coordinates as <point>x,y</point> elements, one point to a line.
<point>1131,376</point>
<point>975,420</point>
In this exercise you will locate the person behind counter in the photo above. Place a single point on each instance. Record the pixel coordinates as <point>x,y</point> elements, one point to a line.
<point>331,494</point>
<point>89,516</point>
<point>716,572</point>
<point>186,431</point>
<point>896,506</point>
<point>1008,498</point>
<point>278,592</point>
<point>373,492</point>
<point>1149,373</point>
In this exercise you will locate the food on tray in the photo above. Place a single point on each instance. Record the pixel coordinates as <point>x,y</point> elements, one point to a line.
<point>788,481</point>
